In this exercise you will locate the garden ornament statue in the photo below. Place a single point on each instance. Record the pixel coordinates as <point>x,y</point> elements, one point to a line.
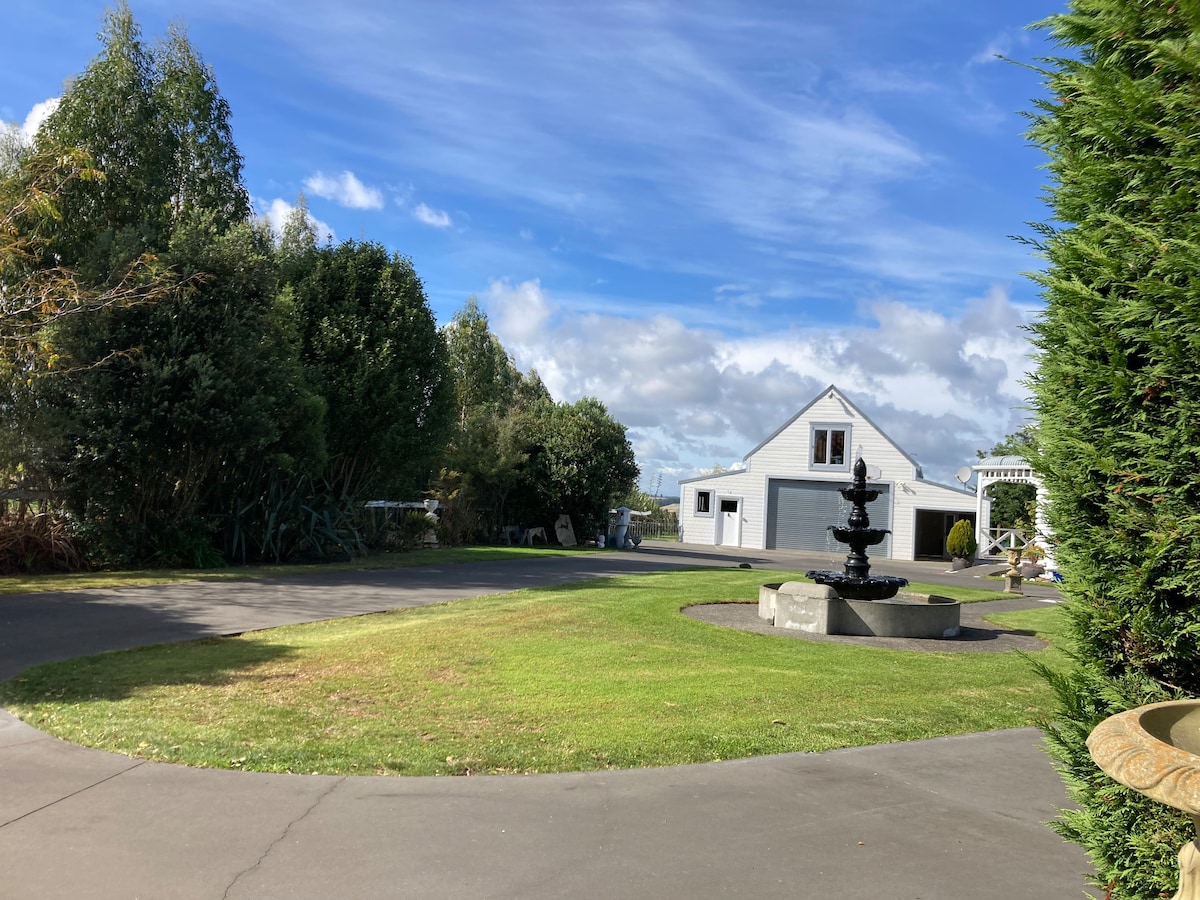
<point>1012,578</point>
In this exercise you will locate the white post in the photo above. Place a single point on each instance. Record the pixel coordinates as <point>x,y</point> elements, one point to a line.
<point>983,523</point>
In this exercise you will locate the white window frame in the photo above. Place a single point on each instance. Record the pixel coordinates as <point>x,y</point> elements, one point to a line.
<point>696,510</point>
<point>829,428</point>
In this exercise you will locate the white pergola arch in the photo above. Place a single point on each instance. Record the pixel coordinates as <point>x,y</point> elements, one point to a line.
<point>1016,470</point>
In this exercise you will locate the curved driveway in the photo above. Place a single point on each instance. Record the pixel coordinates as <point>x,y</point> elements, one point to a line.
<point>949,818</point>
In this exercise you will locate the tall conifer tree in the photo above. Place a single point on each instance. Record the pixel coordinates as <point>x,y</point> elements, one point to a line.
<point>1117,395</point>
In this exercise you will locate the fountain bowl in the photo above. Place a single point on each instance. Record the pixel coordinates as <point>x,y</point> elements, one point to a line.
<point>852,587</point>
<point>868,537</point>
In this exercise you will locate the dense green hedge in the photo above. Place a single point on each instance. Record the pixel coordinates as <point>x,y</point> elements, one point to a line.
<point>1117,395</point>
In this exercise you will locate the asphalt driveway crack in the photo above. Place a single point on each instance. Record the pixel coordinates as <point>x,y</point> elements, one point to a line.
<point>282,837</point>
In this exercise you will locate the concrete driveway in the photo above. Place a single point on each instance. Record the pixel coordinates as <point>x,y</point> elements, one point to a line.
<point>949,818</point>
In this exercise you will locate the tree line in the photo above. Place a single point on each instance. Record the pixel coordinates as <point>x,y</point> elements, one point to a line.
<point>191,388</point>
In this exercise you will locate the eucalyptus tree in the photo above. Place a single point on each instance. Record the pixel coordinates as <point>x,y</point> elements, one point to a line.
<point>1117,397</point>
<point>489,447</point>
<point>484,376</point>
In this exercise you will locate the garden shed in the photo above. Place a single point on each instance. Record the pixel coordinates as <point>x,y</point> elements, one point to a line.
<point>786,494</point>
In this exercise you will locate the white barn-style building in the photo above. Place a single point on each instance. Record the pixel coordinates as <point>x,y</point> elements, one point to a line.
<point>786,495</point>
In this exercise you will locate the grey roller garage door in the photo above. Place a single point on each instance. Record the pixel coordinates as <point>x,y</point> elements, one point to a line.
<point>799,514</point>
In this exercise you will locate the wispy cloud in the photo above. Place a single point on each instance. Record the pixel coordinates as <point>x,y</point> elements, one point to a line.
<point>1000,47</point>
<point>670,116</point>
<point>648,127</point>
<point>345,190</point>
<point>436,218</point>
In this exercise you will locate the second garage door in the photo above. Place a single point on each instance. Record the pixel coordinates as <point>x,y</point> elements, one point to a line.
<point>799,514</point>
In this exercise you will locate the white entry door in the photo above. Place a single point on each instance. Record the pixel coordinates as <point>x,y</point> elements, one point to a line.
<point>731,521</point>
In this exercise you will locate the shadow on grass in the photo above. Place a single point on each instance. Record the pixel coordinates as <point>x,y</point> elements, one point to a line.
<point>989,633</point>
<point>124,673</point>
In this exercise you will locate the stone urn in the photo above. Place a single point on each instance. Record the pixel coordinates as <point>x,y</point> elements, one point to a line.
<point>1155,750</point>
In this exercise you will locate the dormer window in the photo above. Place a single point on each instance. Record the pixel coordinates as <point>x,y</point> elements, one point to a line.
<point>829,447</point>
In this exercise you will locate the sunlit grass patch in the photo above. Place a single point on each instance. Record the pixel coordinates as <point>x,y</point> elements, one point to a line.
<point>603,674</point>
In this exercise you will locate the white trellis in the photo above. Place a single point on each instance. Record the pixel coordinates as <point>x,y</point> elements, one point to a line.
<point>1016,470</point>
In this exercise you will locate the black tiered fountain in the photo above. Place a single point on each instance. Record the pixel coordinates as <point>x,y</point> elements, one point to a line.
<point>856,581</point>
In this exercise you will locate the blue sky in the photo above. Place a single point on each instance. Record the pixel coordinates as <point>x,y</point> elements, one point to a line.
<point>699,212</point>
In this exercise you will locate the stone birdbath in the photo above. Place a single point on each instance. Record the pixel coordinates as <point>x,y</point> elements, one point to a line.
<point>1155,750</point>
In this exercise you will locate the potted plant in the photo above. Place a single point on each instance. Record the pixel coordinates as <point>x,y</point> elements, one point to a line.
<point>1033,566</point>
<point>960,544</point>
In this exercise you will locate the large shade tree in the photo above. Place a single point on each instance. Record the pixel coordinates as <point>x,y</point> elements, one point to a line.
<point>40,295</point>
<point>482,478</point>
<point>1117,397</point>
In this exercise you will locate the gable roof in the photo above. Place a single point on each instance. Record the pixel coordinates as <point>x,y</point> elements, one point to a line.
<point>834,390</point>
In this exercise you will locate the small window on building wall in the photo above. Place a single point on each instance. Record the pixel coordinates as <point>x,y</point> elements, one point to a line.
<point>704,503</point>
<point>829,446</point>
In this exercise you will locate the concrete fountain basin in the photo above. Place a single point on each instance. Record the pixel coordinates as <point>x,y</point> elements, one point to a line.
<point>817,609</point>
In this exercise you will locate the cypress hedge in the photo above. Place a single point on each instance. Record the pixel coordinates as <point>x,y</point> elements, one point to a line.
<point>1117,399</point>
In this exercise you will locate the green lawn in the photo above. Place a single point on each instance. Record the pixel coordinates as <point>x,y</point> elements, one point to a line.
<point>26,584</point>
<point>604,674</point>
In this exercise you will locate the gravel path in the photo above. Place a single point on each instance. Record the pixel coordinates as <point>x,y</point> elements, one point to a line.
<point>976,635</point>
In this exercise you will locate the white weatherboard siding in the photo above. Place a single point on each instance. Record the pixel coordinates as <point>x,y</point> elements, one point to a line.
<point>787,455</point>
<point>701,529</point>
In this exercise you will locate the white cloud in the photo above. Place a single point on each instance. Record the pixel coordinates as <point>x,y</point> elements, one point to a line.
<point>38,115</point>
<point>942,386</point>
<point>15,137</point>
<point>345,190</point>
<point>697,131</point>
<point>277,211</point>
<point>520,313</point>
<point>434,217</point>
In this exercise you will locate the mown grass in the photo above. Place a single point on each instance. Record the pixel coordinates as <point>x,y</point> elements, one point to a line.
<point>27,584</point>
<point>578,677</point>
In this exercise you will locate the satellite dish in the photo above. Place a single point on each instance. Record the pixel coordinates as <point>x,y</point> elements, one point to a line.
<point>963,475</point>
<point>874,473</point>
